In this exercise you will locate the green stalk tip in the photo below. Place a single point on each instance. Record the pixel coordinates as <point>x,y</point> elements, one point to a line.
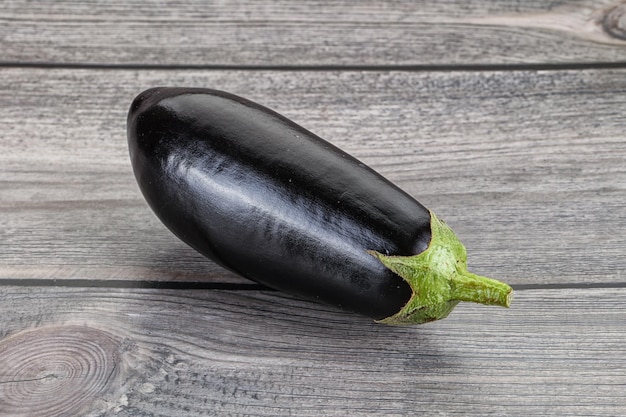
<point>439,279</point>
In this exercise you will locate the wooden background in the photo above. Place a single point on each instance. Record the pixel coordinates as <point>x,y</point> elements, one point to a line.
<point>507,118</point>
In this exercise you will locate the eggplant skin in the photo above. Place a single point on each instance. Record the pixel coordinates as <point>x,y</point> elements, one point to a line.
<point>271,201</point>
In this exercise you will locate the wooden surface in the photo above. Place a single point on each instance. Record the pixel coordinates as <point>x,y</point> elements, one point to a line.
<point>506,118</point>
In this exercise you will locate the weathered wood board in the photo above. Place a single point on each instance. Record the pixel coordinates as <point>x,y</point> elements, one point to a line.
<point>528,167</point>
<point>134,352</point>
<point>313,33</point>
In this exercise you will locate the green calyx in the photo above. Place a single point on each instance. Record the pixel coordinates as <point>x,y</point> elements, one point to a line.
<point>439,279</point>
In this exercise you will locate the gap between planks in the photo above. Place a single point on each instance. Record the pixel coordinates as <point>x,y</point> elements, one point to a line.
<point>229,286</point>
<point>580,66</point>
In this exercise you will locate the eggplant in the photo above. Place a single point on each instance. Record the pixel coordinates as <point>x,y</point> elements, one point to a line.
<point>267,199</point>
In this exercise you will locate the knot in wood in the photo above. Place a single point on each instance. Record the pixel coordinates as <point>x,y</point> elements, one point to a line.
<point>614,22</point>
<point>55,371</point>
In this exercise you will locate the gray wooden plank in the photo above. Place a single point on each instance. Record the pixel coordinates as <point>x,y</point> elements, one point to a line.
<point>527,167</point>
<point>400,32</point>
<point>162,353</point>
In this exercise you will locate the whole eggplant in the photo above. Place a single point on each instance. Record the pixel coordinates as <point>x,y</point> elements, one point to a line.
<point>271,201</point>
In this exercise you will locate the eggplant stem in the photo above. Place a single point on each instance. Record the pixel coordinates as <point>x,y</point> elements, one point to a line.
<point>477,289</point>
<point>439,279</point>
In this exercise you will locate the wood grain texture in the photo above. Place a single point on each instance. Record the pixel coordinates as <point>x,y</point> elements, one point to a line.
<point>398,32</point>
<point>251,353</point>
<point>56,371</point>
<point>527,167</point>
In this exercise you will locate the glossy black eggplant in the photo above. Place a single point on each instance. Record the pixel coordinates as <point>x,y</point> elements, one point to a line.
<point>271,201</point>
